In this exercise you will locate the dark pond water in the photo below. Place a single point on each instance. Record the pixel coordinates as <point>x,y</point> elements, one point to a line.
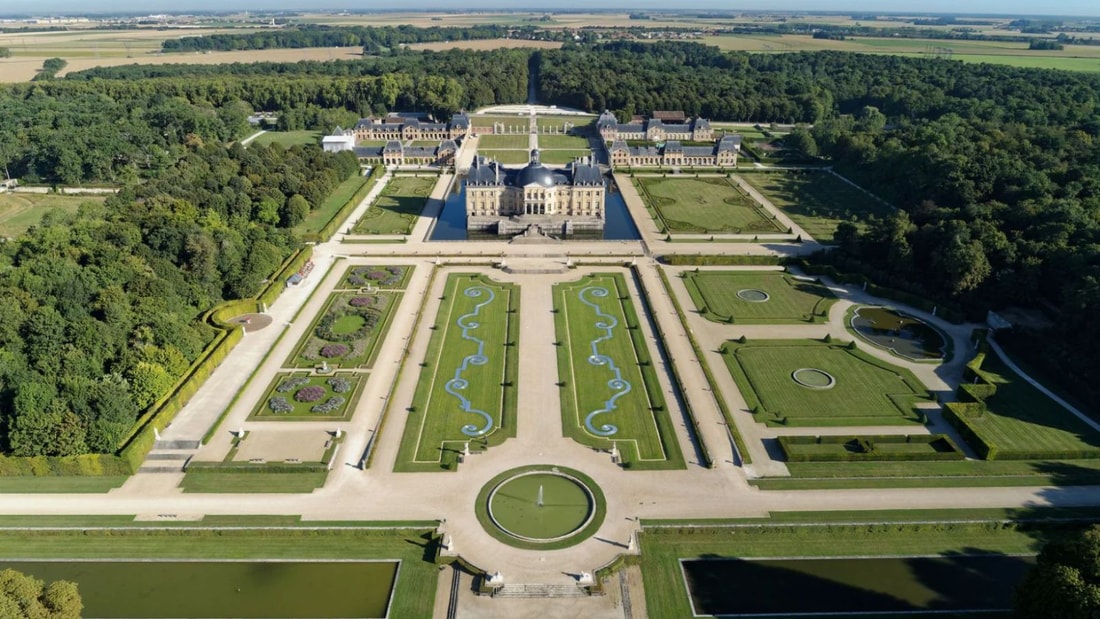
<point>200,589</point>
<point>905,335</point>
<point>847,587</point>
<point>451,225</point>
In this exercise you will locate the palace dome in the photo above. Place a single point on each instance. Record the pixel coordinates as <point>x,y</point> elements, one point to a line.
<point>535,173</point>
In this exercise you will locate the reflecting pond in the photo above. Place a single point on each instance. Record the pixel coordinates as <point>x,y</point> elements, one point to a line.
<point>905,335</point>
<point>736,587</point>
<point>224,589</point>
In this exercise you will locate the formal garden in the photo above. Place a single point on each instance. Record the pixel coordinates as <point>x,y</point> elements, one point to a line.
<point>815,383</point>
<point>374,277</point>
<point>817,201</point>
<point>396,209</point>
<point>348,331</point>
<point>610,393</point>
<point>761,297</point>
<point>466,393</point>
<point>704,206</point>
<point>302,396</point>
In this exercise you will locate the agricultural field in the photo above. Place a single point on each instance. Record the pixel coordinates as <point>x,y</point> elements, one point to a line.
<point>817,201</point>
<point>289,138</point>
<point>19,211</point>
<point>467,387</point>
<point>485,44</point>
<point>1021,421</point>
<point>569,142</point>
<point>396,209</point>
<point>347,332</point>
<point>732,296</point>
<point>507,157</point>
<point>558,157</point>
<point>703,205</point>
<point>610,392</point>
<point>810,383</point>
<point>491,142</point>
<point>303,397</point>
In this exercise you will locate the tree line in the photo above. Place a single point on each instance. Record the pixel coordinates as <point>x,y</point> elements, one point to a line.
<point>101,307</point>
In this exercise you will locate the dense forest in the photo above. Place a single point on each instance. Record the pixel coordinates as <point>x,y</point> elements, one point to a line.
<point>374,40</point>
<point>100,307</point>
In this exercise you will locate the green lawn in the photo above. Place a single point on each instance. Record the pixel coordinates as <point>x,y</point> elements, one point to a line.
<point>289,138</point>
<point>355,188</point>
<point>1021,420</point>
<point>703,205</point>
<point>506,156</point>
<point>413,596</point>
<point>68,484</point>
<point>490,142</point>
<point>467,389</point>
<point>251,483</point>
<point>514,120</point>
<point>376,277</point>
<point>396,210</point>
<point>354,323</point>
<point>663,548</point>
<point>789,300</point>
<point>558,122</point>
<point>867,391</point>
<point>555,141</point>
<point>615,399</point>
<point>556,157</point>
<point>817,201</point>
<point>19,211</point>
<point>339,393</point>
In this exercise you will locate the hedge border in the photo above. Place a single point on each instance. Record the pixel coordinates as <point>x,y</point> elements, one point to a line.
<point>789,445</point>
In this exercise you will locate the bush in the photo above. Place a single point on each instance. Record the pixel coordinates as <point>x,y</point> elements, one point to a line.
<point>334,350</point>
<point>291,384</point>
<point>339,384</point>
<point>330,406</point>
<point>361,301</point>
<point>310,394</point>
<point>278,404</point>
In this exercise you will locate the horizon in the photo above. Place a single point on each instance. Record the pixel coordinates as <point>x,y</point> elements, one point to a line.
<point>977,8</point>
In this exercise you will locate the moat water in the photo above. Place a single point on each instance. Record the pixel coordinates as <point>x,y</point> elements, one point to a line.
<point>451,226</point>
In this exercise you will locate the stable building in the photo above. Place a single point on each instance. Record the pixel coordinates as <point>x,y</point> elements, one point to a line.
<point>394,153</point>
<point>723,154</point>
<point>410,126</point>
<point>509,201</point>
<point>655,129</point>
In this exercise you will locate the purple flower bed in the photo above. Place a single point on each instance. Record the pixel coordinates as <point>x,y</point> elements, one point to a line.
<point>310,394</point>
<point>334,350</point>
<point>377,275</point>
<point>361,301</point>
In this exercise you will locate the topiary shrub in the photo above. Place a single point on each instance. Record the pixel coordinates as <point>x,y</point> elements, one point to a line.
<point>279,405</point>
<point>310,394</point>
<point>330,406</point>
<point>291,384</point>
<point>339,384</point>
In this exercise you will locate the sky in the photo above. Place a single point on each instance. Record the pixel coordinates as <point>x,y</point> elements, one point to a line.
<point>1000,7</point>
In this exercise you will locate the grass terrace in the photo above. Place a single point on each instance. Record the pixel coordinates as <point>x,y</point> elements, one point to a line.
<point>811,383</point>
<point>507,157</point>
<point>347,332</point>
<point>702,206</point>
<point>558,157</point>
<point>558,122</point>
<point>467,387</point>
<point>503,141</point>
<point>557,142</point>
<point>289,138</point>
<point>303,397</point>
<point>508,120</point>
<point>610,391</point>
<point>19,211</point>
<point>817,201</point>
<point>765,297</point>
<point>396,209</point>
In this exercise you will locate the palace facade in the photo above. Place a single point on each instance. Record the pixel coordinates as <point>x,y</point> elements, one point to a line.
<point>410,126</point>
<point>509,201</point>
<point>723,154</point>
<point>655,129</point>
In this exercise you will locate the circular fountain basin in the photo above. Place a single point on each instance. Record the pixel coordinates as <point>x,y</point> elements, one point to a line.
<point>752,295</point>
<point>813,378</point>
<point>899,333</point>
<point>567,505</point>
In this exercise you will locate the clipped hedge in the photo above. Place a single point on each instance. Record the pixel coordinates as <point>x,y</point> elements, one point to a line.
<point>881,448</point>
<point>47,466</point>
<point>257,467</point>
<point>277,283</point>
<point>345,211</point>
<point>708,260</point>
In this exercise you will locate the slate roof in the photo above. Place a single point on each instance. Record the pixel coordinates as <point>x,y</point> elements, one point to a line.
<point>485,172</point>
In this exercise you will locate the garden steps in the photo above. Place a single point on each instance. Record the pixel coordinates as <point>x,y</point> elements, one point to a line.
<point>540,591</point>
<point>177,444</point>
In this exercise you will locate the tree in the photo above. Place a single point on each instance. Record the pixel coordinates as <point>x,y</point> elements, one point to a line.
<point>1065,582</point>
<point>24,596</point>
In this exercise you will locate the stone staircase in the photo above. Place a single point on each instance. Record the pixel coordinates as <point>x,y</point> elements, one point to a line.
<point>540,591</point>
<point>169,456</point>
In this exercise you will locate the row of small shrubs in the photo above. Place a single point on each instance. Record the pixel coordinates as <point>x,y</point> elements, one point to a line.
<point>861,448</point>
<point>709,260</point>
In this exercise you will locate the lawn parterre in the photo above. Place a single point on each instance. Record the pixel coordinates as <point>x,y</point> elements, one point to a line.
<point>348,331</point>
<point>867,391</point>
<point>503,141</point>
<point>703,205</point>
<point>786,298</point>
<point>610,393</point>
<point>817,201</point>
<point>507,157</point>
<point>303,397</point>
<point>396,209</point>
<point>467,387</point>
<point>552,141</point>
<point>557,157</point>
